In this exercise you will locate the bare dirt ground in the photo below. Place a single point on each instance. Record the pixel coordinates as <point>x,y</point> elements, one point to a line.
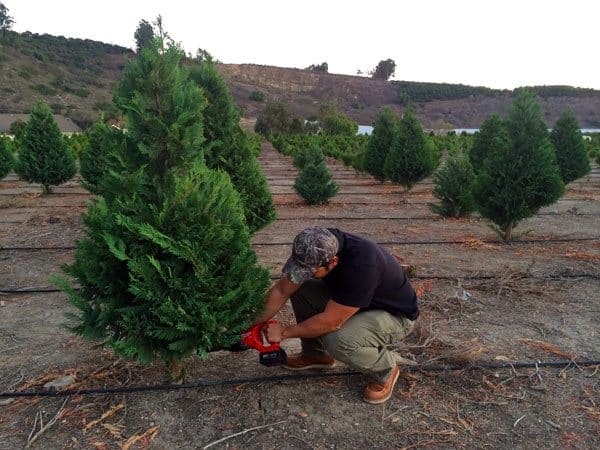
<point>540,302</point>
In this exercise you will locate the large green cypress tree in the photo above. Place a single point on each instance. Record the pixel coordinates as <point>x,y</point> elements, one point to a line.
<point>167,268</point>
<point>453,186</point>
<point>384,131</point>
<point>410,158</point>
<point>44,157</point>
<point>520,178</point>
<point>491,138</point>
<point>571,153</point>
<point>230,149</point>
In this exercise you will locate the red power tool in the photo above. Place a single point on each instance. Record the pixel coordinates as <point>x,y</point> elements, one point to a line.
<point>270,354</point>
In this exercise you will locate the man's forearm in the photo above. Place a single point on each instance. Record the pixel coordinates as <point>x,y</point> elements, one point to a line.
<point>314,326</point>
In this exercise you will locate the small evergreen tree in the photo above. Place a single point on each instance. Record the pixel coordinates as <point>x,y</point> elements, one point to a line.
<point>144,34</point>
<point>491,138</point>
<point>571,153</point>
<point>384,131</point>
<point>312,154</point>
<point>410,158</point>
<point>93,163</point>
<point>44,157</point>
<point>6,158</point>
<point>338,124</point>
<point>523,176</point>
<point>167,268</point>
<point>453,186</point>
<point>314,183</point>
<point>230,149</point>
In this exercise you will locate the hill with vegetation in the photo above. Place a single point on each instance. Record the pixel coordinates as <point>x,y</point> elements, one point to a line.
<point>75,77</point>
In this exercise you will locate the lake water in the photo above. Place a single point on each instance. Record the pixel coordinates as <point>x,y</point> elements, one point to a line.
<point>366,129</point>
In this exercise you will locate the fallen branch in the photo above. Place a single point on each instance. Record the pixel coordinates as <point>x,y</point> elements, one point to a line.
<point>240,433</point>
<point>31,439</point>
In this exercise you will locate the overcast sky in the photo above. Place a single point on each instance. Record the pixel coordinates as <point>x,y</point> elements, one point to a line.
<point>499,44</point>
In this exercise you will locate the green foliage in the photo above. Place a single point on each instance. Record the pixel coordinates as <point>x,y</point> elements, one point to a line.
<point>166,268</point>
<point>571,154</point>
<point>519,178</point>
<point>94,162</point>
<point>275,118</point>
<point>6,21</point>
<point>17,129</point>
<point>311,154</point>
<point>6,158</point>
<point>453,186</point>
<point>75,143</point>
<point>491,139</point>
<point>44,157</point>
<point>257,96</point>
<point>314,183</point>
<point>412,91</point>
<point>384,132</point>
<point>384,69</point>
<point>43,89</point>
<point>322,68</point>
<point>410,158</point>
<point>230,148</point>
<point>338,125</point>
<point>144,34</point>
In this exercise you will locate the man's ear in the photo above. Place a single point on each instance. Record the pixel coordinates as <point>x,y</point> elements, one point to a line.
<point>334,262</point>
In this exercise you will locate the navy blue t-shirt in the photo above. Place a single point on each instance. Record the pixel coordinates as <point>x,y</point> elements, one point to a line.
<point>368,277</point>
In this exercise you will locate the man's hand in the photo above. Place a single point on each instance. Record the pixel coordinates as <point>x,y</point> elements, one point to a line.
<point>274,332</point>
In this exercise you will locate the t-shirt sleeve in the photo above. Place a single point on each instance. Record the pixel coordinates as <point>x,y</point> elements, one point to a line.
<point>358,288</point>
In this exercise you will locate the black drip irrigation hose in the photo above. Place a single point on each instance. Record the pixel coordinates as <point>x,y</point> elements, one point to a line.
<point>209,383</point>
<point>556,277</point>
<point>264,244</point>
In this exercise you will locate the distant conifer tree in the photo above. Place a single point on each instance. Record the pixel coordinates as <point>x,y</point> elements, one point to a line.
<point>453,186</point>
<point>380,143</point>
<point>314,183</point>
<point>518,179</point>
<point>93,164</point>
<point>44,157</point>
<point>410,158</point>
<point>492,137</point>
<point>166,268</point>
<point>6,158</point>
<point>310,154</point>
<point>571,154</point>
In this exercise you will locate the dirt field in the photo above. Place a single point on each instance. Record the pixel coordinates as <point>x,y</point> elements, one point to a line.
<point>482,301</point>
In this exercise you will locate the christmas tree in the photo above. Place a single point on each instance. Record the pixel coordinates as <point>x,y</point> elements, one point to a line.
<point>93,164</point>
<point>384,131</point>
<point>6,158</point>
<point>453,186</point>
<point>571,154</point>
<point>410,158</point>
<point>167,268</point>
<point>520,176</point>
<point>44,157</point>
<point>314,183</point>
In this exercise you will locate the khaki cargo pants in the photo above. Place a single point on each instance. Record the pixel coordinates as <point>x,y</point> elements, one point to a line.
<point>363,342</point>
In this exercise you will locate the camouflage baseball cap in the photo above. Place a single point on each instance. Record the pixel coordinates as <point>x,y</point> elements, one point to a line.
<point>313,247</point>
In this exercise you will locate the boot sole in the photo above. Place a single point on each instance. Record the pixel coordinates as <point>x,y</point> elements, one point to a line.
<point>379,401</point>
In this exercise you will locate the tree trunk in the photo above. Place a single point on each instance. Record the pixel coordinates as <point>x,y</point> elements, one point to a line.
<point>508,232</point>
<point>46,189</point>
<point>176,370</point>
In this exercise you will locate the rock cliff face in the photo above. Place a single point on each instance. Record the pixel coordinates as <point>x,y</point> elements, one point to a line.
<point>362,98</point>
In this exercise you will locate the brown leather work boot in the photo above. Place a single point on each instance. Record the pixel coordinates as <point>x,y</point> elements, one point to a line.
<point>301,362</point>
<point>376,393</point>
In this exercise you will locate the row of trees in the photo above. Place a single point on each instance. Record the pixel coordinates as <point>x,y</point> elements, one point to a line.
<point>514,167</point>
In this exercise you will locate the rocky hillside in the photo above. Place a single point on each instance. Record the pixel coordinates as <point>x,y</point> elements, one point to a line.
<point>76,77</point>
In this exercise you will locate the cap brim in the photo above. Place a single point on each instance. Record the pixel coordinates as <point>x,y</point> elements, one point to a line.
<point>296,273</point>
